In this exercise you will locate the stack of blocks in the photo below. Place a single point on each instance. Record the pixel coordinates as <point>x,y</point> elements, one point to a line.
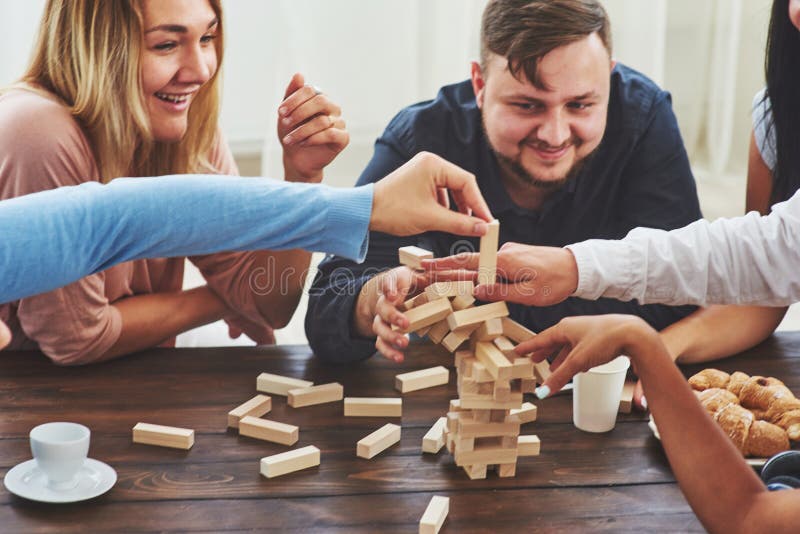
<point>482,428</point>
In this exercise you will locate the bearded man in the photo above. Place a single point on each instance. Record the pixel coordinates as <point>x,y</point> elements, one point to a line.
<point>566,145</point>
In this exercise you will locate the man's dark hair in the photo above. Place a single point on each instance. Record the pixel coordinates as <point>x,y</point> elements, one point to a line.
<point>782,65</point>
<point>524,31</point>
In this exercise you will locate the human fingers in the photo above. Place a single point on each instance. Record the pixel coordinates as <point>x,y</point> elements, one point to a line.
<point>547,340</point>
<point>320,123</point>
<point>464,260</point>
<point>318,104</point>
<point>293,100</point>
<point>465,190</point>
<point>388,351</point>
<point>297,81</point>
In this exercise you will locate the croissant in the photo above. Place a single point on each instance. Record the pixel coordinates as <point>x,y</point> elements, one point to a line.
<point>736,382</point>
<point>713,399</point>
<point>709,378</point>
<point>759,392</point>
<point>791,422</point>
<point>751,437</point>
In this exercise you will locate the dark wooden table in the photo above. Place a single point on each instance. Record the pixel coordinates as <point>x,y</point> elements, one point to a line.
<point>619,481</point>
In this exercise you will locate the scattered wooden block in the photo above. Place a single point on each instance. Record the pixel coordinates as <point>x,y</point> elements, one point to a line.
<point>378,441</point>
<point>626,401</point>
<point>254,427</point>
<point>488,330</point>
<point>487,264</point>
<point>433,440</point>
<point>515,331</point>
<point>494,360</point>
<point>290,461</point>
<point>163,436</point>
<point>412,256</point>
<point>449,289</point>
<point>434,516</point>
<point>372,407</point>
<point>320,394</point>
<point>527,413</point>
<point>427,314</point>
<point>279,385</point>
<point>528,445</point>
<point>257,406</point>
<point>478,314</point>
<point>424,378</point>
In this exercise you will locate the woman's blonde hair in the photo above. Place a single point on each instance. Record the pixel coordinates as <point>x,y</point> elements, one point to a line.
<point>88,55</point>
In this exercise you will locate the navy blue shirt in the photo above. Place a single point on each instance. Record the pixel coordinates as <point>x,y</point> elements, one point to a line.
<point>639,176</point>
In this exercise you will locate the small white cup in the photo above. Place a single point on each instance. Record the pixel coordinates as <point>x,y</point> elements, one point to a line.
<point>60,450</point>
<point>596,395</point>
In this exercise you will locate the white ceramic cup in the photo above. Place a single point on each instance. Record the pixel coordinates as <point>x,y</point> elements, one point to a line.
<point>596,395</point>
<point>60,450</point>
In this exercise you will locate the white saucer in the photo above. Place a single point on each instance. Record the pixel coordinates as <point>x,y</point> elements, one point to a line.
<point>28,481</point>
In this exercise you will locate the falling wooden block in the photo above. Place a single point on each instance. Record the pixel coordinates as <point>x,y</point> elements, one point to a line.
<point>528,445</point>
<point>478,314</point>
<point>626,401</point>
<point>298,398</point>
<point>279,385</point>
<point>433,440</point>
<point>449,289</point>
<point>424,378</point>
<point>264,429</point>
<point>378,441</point>
<point>427,314</point>
<point>494,360</point>
<point>434,516</point>
<point>490,329</point>
<point>257,406</point>
<point>412,256</point>
<point>439,331</point>
<point>372,407</point>
<point>290,461</point>
<point>527,413</point>
<point>454,339</point>
<point>515,331</point>
<point>163,436</point>
<point>487,264</point>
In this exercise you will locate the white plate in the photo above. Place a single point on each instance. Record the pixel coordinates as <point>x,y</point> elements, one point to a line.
<point>753,462</point>
<point>28,481</point>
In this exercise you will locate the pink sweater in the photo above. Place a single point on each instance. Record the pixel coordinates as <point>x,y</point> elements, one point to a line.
<point>43,147</point>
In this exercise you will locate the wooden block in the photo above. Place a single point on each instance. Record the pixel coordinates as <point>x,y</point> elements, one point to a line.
<point>481,415</point>
<point>515,331</point>
<point>487,265</point>
<point>521,368</point>
<point>373,407</point>
<point>479,373</point>
<point>320,394</point>
<point>419,300</point>
<point>290,461</point>
<point>254,427</point>
<point>488,456</point>
<point>502,390</point>
<point>487,402</point>
<point>422,332</point>
<point>469,428</point>
<point>528,385</point>
<point>460,356</point>
<point>449,289</point>
<point>462,302</point>
<point>427,314</point>
<point>490,329</point>
<point>541,371</point>
<point>475,471</point>
<point>163,436</point>
<point>463,444</point>
<point>527,413</point>
<point>412,256</point>
<point>279,385</point>
<point>499,416</point>
<point>478,314</point>
<point>424,378</point>
<point>626,401</point>
<point>454,339</point>
<point>528,445</point>
<point>506,470</point>
<point>439,331</point>
<point>434,516</point>
<point>433,440</point>
<point>505,346</point>
<point>455,405</point>
<point>257,406</point>
<point>378,441</point>
<point>494,360</point>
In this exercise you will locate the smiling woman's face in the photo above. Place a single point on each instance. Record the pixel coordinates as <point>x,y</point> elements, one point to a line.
<point>178,58</point>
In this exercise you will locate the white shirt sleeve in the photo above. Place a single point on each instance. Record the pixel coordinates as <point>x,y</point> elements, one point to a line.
<point>744,260</point>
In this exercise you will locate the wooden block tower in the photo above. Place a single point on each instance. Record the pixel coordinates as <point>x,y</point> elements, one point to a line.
<point>483,424</point>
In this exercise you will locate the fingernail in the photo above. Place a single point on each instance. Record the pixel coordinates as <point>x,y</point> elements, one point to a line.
<point>542,392</point>
<point>282,110</point>
<point>644,403</point>
<point>480,228</point>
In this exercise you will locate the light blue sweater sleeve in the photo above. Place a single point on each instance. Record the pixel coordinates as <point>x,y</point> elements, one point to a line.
<point>55,237</point>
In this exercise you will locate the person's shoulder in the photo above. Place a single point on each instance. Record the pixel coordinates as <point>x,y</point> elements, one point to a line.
<point>33,119</point>
<point>452,116</point>
<point>634,96</point>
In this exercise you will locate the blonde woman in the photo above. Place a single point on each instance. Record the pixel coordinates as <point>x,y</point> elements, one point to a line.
<point>131,88</point>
